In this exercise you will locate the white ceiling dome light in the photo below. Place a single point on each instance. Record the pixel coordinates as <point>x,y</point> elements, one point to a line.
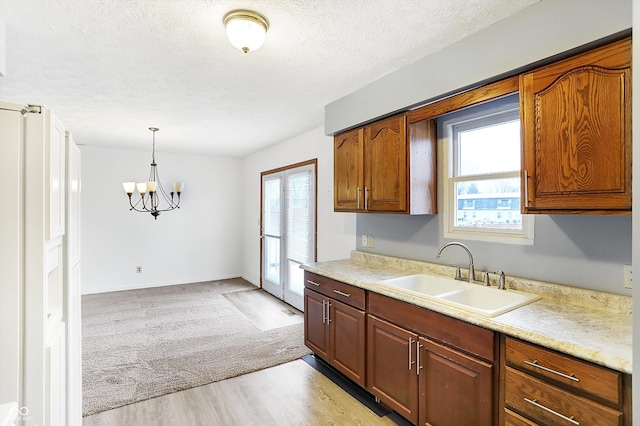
<point>246,30</point>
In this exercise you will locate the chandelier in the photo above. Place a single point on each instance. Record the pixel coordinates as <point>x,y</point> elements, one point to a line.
<point>152,194</point>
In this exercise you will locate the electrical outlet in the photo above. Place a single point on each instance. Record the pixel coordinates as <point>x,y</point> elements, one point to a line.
<point>365,240</point>
<point>628,276</point>
<point>370,241</point>
<point>138,269</point>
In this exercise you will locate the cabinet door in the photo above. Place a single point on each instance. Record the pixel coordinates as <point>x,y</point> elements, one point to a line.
<point>576,120</point>
<point>347,171</point>
<point>385,165</point>
<point>347,347</point>
<point>391,373</point>
<point>455,389</point>
<point>316,333</point>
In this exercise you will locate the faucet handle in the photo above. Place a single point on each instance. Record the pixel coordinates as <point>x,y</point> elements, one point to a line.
<point>501,280</point>
<point>486,279</point>
<point>458,274</point>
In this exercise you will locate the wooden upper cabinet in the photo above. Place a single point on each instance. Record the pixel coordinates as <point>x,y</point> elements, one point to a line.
<point>385,171</point>
<point>347,172</point>
<point>576,127</point>
<point>386,167</point>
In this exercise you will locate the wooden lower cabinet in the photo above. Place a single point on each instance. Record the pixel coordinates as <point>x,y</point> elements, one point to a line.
<point>425,381</point>
<point>455,388</point>
<point>391,367</point>
<point>316,333</point>
<point>335,332</point>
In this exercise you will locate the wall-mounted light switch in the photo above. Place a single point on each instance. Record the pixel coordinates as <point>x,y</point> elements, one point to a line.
<point>365,240</point>
<point>370,241</point>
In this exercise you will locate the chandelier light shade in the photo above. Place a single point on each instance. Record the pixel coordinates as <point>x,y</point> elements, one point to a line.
<point>246,30</point>
<point>153,198</point>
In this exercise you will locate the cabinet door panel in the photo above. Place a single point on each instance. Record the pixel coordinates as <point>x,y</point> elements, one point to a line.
<point>348,341</point>
<point>455,389</point>
<point>385,168</point>
<point>576,117</point>
<point>347,171</point>
<point>388,374</point>
<point>316,333</point>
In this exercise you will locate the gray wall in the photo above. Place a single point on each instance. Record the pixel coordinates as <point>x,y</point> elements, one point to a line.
<point>544,29</point>
<point>581,251</point>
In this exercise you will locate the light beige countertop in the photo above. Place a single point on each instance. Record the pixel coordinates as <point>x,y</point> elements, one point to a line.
<point>590,325</point>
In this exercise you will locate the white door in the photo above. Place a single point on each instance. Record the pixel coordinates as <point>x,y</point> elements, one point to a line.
<point>33,301</point>
<point>288,230</point>
<point>72,285</point>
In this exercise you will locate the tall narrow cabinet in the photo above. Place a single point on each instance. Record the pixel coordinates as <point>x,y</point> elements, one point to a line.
<point>34,307</point>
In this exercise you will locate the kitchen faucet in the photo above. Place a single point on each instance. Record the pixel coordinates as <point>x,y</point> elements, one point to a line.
<point>472,271</point>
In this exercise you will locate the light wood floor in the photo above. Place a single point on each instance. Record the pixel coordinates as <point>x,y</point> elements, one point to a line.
<point>288,394</point>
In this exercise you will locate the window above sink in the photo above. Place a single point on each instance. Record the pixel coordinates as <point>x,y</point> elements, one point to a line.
<point>482,173</point>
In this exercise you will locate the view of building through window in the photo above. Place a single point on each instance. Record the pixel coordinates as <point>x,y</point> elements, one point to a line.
<point>487,149</point>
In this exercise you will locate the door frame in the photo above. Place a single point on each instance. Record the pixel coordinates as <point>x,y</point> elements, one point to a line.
<point>313,162</point>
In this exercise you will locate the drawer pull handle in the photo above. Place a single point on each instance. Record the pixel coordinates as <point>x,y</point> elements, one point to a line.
<point>341,293</point>
<point>411,362</point>
<point>314,283</point>
<point>526,188</point>
<point>549,410</point>
<point>535,364</point>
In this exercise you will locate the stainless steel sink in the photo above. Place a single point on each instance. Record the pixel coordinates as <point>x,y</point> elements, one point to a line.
<point>471,297</point>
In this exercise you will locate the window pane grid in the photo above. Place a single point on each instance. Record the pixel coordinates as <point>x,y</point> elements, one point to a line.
<point>484,159</point>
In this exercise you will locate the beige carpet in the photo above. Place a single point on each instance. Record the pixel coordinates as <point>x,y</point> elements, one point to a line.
<point>139,344</point>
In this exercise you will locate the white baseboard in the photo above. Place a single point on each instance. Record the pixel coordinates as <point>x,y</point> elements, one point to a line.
<point>252,281</point>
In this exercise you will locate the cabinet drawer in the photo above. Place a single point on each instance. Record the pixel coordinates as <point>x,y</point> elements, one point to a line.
<point>346,293</point>
<point>515,419</point>
<point>581,376</point>
<point>548,404</point>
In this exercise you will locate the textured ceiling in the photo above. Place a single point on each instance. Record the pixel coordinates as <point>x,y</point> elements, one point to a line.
<point>112,68</point>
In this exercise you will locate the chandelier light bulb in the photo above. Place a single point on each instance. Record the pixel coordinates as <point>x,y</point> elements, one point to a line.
<point>129,187</point>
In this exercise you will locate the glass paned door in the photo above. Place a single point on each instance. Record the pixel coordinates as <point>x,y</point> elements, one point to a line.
<point>288,233</point>
<point>272,199</point>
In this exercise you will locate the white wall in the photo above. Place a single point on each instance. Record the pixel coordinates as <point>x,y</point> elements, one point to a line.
<point>336,231</point>
<point>200,241</point>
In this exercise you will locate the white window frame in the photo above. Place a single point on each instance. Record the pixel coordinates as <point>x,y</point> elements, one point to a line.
<point>477,114</point>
